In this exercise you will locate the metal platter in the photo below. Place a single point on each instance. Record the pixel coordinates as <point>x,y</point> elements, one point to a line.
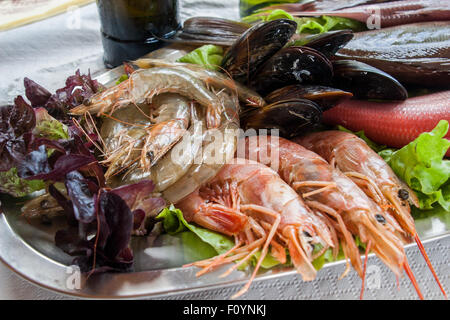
<point>27,247</point>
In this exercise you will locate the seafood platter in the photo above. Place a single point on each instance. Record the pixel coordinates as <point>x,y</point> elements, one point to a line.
<point>290,141</point>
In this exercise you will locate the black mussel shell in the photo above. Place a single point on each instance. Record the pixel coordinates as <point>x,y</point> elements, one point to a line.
<point>367,82</point>
<point>325,97</point>
<point>210,30</point>
<point>292,117</point>
<point>329,42</point>
<point>293,65</point>
<point>255,46</point>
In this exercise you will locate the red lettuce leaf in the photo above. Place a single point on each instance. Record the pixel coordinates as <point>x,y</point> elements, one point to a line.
<point>36,162</point>
<point>16,123</point>
<point>36,94</point>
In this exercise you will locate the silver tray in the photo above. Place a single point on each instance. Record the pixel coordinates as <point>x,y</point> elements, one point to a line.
<point>27,247</point>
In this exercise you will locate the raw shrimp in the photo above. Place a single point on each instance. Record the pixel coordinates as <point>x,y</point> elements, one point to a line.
<point>326,190</point>
<point>166,172</point>
<point>252,203</point>
<point>217,148</point>
<point>216,79</point>
<point>144,84</point>
<point>372,174</point>
<point>143,134</point>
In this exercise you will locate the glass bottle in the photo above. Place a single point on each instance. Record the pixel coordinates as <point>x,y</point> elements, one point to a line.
<point>132,28</point>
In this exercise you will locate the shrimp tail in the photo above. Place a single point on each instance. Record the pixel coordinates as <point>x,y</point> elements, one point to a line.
<point>430,266</point>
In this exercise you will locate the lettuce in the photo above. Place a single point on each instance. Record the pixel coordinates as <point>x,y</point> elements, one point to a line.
<point>422,166</point>
<point>122,79</point>
<point>200,243</point>
<point>209,56</point>
<point>17,187</point>
<point>174,222</point>
<point>307,24</point>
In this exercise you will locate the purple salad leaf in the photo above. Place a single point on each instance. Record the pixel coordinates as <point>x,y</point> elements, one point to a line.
<point>16,123</point>
<point>77,88</point>
<point>64,165</point>
<point>82,199</point>
<point>117,222</point>
<point>35,162</point>
<point>36,94</point>
<point>65,204</point>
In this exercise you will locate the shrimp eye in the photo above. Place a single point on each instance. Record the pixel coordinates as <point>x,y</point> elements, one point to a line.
<point>403,194</point>
<point>151,155</point>
<point>380,218</point>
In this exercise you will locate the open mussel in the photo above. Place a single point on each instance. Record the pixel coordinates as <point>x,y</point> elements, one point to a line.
<point>325,97</point>
<point>255,46</point>
<point>327,43</point>
<point>367,82</point>
<point>292,117</point>
<point>292,65</point>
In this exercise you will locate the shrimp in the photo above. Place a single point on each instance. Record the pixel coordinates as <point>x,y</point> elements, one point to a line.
<point>204,165</point>
<point>249,201</point>
<point>372,174</point>
<point>166,172</point>
<point>143,134</point>
<point>326,190</point>
<point>144,84</point>
<point>216,79</point>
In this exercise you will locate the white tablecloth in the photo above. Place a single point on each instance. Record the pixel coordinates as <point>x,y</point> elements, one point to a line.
<point>49,51</point>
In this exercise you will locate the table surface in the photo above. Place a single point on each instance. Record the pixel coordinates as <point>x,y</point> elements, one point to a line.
<point>48,51</point>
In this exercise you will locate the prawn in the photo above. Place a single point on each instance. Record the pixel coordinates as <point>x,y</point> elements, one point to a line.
<point>216,79</point>
<point>143,134</point>
<point>372,174</point>
<point>249,201</point>
<point>326,190</point>
<point>144,84</point>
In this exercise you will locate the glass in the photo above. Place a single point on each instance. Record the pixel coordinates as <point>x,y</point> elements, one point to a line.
<point>132,28</point>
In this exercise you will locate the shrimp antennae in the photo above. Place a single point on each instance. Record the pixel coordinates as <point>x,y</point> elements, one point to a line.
<point>361,296</point>
<point>430,266</point>
<point>413,279</point>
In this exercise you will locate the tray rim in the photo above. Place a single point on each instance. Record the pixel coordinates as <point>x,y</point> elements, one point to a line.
<point>25,254</point>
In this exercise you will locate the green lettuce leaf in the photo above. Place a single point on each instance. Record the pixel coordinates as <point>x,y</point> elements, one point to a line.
<point>11,183</point>
<point>307,24</point>
<point>422,166</point>
<point>200,243</point>
<point>174,222</point>
<point>209,56</point>
<point>122,79</point>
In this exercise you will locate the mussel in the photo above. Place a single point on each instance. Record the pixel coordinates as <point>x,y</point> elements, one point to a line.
<point>213,29</point>
<point>367,82</point>
<point>292,117</point>
<point>327,43</point>
<point>292,65</point>
<point>255,46</point>
<point>324,97</point>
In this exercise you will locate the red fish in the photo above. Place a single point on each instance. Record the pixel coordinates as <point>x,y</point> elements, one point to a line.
<point>394,124</point>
